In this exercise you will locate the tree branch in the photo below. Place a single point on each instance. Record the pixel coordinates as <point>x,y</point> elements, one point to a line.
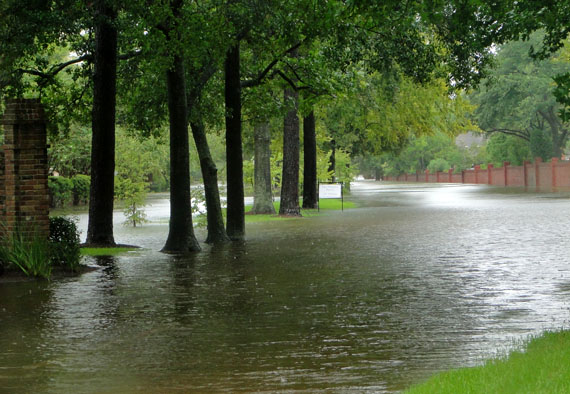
<point>524,134</point>
<point>258,80</point>
<point>291,82</point>
<point>57,68</point>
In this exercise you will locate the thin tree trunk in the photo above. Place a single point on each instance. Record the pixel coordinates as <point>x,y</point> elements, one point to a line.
<point>216,230</point>
<point>181,238</point>
<point>100,226</point>
<point>234,157</point>
<point>289,205</point>
<point>310,198</point>
<point>262,197</point>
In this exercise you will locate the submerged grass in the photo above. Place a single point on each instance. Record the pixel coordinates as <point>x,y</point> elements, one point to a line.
<point>325,205</point>
<point>95,252</point>
<point>542,367</point>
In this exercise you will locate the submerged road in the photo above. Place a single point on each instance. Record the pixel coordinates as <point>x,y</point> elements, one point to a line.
<point>418,279</point>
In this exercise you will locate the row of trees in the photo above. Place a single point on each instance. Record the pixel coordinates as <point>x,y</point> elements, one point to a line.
<point>190,64</point>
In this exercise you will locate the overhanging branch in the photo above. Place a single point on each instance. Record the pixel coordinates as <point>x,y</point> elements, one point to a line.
<point>56,69</point>
<point>524,134</point>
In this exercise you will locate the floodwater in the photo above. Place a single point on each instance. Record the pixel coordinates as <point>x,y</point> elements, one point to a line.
<point>420,279</point>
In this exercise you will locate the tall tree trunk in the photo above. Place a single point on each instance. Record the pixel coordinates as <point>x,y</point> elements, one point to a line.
<point>310,198</point>
<point>290,177</point>
<point>100,226</point>
<point>181,238</point>
<point>262,196</point>
<point>234,156</point>
<point>216,230</point>
<point>332,160</point>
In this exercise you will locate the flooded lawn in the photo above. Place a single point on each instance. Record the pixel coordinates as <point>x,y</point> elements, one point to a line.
<point>421,278</point>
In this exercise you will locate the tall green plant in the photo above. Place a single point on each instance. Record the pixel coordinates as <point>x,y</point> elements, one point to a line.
<point>133,195</point>
<point>26,251</point>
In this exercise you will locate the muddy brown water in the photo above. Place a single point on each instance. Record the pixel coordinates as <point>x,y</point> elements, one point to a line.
<point>419,279</point>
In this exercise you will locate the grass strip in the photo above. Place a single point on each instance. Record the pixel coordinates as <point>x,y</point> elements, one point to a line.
<point>94,252</point>
<point>543,366</point>
<point>325,205</point>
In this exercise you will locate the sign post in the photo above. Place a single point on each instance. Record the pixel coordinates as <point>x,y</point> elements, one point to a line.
<point>330,190</point>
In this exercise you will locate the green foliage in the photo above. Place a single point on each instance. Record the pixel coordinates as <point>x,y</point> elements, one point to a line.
<point>198,197</point>
<point>64,243</point>
<point>61,191</point>
<point>69,153</point>
<point>541,367</point>
<point>562,95</point>
<point>437,165</point>
<point>439,149</point>
<point>540,144</point>
<point>64,191</point>
<point>81,185</point>
<point>133,195</point>
<point>138,161</point>
<point>518,99</point>
<point>501,147</point>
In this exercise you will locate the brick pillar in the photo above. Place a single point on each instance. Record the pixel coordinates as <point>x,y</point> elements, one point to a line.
<point>462,176</point>
<point>477,168</point>
<point>450,173</point>
<point>506,165</point>
<point>525,172</point>
<point>553,164</point>
<point>25,171</point>
<point>489,174</point>
<point>537,161</point>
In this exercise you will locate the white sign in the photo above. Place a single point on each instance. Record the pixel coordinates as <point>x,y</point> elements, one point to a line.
<point>330,190</point>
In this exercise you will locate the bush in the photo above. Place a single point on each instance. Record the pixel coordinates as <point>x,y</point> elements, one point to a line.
<point>437,165</point>
<point>64,243</point>
<point>35,255</point>
<point>81,185</point>
<point>60,191</point>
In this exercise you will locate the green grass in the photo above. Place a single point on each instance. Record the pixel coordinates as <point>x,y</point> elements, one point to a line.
<point>325,205</point>
<point>542,367</point>
<point>94,252</point>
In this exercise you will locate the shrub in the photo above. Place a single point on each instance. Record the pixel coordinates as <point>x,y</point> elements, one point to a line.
<point>81,184</point>
<point>35,255</point>
<point>64,243</point>
<point>437,165</point>
<point>60,191</point>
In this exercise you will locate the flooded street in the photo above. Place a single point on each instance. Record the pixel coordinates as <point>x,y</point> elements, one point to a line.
<point>418,279</point>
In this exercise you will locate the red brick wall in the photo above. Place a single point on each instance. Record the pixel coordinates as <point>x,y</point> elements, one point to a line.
<point>24,186</point>
<point>545,176</point>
